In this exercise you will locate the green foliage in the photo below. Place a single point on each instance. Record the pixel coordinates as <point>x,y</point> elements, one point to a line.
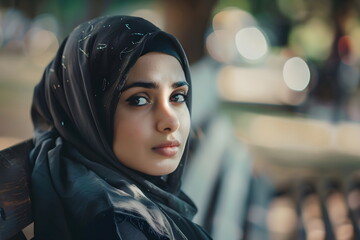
<point>243,4</point>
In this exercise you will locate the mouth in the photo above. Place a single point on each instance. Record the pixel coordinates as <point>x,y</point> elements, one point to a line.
<point>167,149</point>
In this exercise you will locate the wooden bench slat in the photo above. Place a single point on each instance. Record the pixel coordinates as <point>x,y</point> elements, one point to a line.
<point>15,204</point>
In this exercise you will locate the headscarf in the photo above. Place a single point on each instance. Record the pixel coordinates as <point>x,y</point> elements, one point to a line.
<point>76,175</point>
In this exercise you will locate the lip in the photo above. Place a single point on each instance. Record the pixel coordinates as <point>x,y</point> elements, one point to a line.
<point>167,149</point>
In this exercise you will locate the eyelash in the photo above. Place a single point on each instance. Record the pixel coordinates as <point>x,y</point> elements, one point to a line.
<point>135,100</point>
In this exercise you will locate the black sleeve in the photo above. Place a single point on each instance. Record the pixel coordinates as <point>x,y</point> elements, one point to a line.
<point>110,227</point>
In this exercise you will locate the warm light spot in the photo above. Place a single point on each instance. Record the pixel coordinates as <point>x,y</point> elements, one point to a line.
<point>233,19</point>
<point>345,231</point>
<point>281,218</point>
<point>249,84</point>
<point>39,41</point>
<point>150,15</point>
<point>296,74</point>
<point>221,47</point>
<point>220,44</point>
<point>316,234</point>
<point>251,43</point>
<point>40,46</point>
<point>297,134</point>
<point>257,85</point>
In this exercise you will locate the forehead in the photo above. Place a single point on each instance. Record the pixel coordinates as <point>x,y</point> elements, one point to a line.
<point>156,66</point>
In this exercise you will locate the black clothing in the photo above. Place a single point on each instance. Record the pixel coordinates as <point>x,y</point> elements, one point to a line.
<point>77,181</point>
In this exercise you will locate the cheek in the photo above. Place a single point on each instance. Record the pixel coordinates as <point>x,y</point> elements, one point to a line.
<point>186,123</point>
<point>131,131</point>
<point>129,136</point>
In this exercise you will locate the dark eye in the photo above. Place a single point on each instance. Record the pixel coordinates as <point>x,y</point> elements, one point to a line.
<point>179,98</point>
<point>138,101</point>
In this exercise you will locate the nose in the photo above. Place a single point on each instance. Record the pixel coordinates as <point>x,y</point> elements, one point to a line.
<point>167,119</point>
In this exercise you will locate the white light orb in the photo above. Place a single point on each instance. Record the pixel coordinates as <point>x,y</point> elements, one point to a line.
<point>296,74</point>
<point>251,43</point>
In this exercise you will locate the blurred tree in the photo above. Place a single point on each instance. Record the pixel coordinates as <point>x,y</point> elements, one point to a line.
<point>331,87</point>
<point>96,8</point>
<point>189,20</point>
<point>29,8</point>
<point>271,19</point>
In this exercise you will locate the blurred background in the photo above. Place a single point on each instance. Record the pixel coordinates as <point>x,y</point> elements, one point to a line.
<point>276,113</point>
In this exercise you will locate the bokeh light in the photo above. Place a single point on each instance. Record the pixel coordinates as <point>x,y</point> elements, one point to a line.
<point>13,28</point>
<point>150,15</point>
<point>251,43</point>
<point>296,74</point>
<point>40,45</point>
<point>233,19</point>
<point>47,22</point>
<point>312,218</point>
<point>281,218</point>
<point>312,39</point>
<point>220,46</point>
<point>249,84</point>
<point>221,43</point>
<point>39,41</point>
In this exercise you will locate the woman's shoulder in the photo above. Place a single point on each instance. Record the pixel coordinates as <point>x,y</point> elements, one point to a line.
<point>113,226</point>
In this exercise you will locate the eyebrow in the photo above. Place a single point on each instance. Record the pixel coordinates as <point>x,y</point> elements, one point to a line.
<point>153,85</point>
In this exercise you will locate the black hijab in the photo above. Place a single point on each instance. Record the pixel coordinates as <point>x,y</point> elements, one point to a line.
<point>76,175</point>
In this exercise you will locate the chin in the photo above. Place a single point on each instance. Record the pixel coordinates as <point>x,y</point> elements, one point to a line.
<point>164,170</point>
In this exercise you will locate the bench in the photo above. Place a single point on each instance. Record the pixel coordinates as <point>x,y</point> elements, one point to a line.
<point>15,203</point>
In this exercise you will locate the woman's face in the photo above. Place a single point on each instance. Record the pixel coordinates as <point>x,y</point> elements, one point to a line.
<point>152,121</point>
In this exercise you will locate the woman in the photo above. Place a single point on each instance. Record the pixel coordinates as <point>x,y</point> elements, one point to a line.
<point>111,118</point>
